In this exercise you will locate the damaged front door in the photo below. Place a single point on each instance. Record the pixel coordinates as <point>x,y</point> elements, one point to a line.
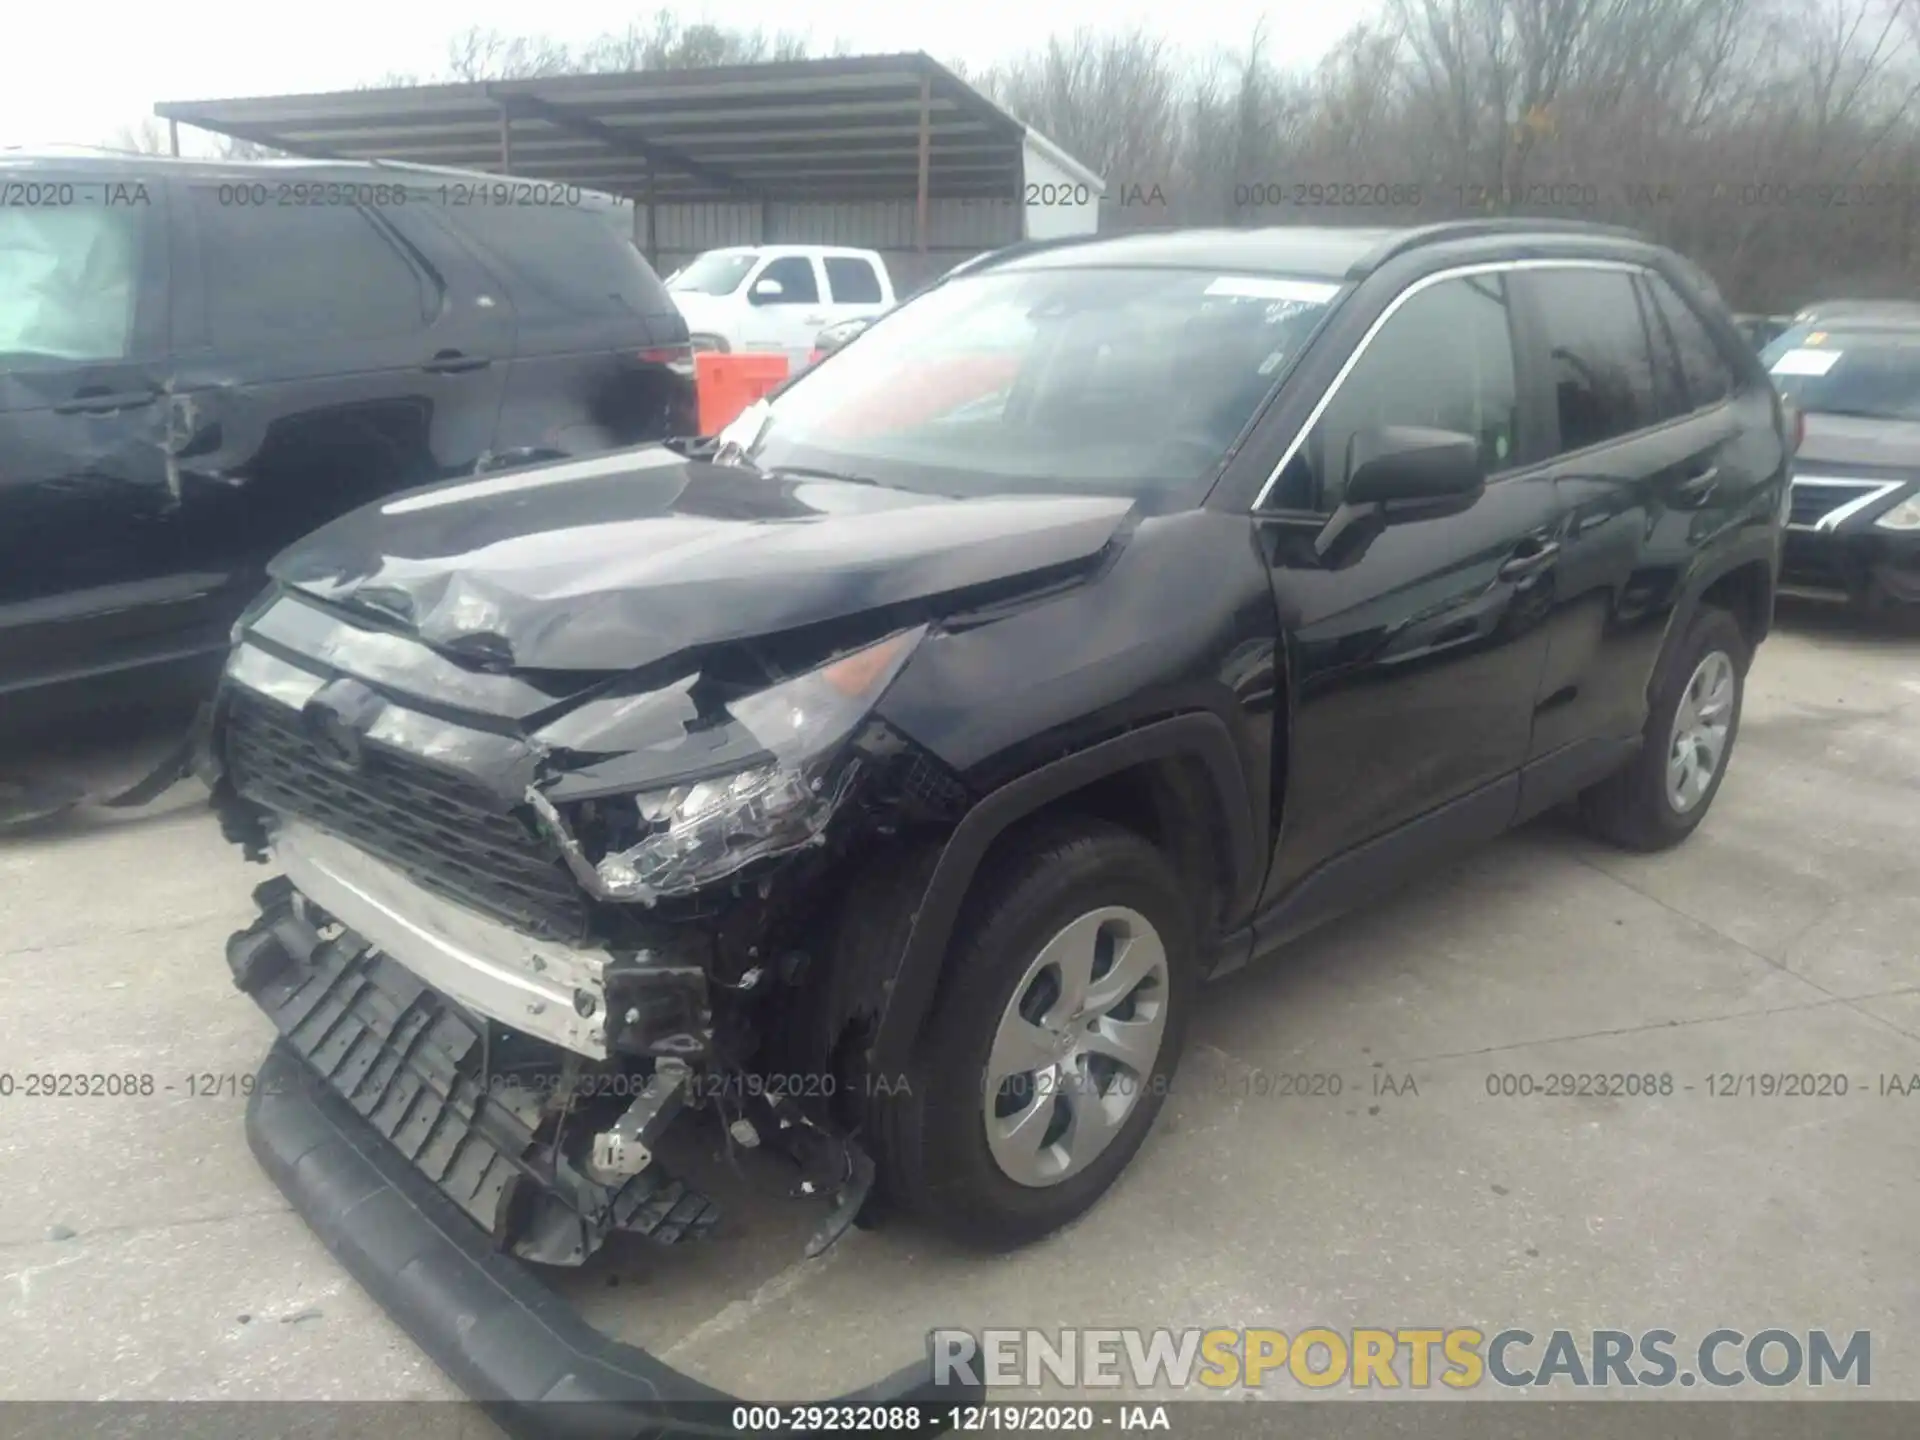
<point>97,572</point>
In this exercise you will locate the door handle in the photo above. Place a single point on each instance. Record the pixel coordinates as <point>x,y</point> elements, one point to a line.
<point>452,362</point>
<point>100,401</point>
<point>1530,560</point>
<point>813,319</point>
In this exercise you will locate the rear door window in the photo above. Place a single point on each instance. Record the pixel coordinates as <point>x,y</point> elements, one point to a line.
<point>272,274</point>
<point>1709,378</point>
<point>69,273</point>
<point>1602,363</point>
<point>1670,399</point>
<point>852,281</point>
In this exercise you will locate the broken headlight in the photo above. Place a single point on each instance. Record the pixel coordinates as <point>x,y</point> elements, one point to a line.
<point>704,831</point>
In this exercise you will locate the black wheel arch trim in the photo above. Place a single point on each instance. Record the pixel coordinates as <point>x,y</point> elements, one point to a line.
<point>1198,735</point>
<point>1759,553</point>
<point>516,1348</point>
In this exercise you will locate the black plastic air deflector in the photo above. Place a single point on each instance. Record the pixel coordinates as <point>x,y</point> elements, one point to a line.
<point>510,1343</point>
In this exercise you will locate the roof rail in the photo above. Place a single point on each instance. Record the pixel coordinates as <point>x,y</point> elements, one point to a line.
<point>64,149</point>
<point>1017,250</point>
<point>1445,230</point>
<point>1905,309</point>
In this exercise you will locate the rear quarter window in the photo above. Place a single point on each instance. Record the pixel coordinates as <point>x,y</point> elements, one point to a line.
<point>572,260</point>
<point>1709,378</point>
<point>1600,355</point>
<point>1695,289</point>
<point>316,272</point>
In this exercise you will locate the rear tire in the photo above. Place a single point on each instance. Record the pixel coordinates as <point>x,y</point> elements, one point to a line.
<point>1009,997</point>
<point>1661,797</point>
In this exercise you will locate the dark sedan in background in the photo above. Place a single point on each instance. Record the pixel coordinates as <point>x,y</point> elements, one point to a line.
<point>1853,372</point>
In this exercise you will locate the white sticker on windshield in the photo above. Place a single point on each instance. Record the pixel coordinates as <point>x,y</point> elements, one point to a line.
<point>1807,362</point>
<point>1268,287</point>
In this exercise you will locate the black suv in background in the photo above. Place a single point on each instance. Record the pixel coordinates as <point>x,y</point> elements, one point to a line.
<point>1852,370</point>
<point>200,362</point>
<point>876,789</point>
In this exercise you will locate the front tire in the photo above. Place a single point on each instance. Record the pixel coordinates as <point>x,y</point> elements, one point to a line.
<point>1661,797</point>
<point>1053,1038</point>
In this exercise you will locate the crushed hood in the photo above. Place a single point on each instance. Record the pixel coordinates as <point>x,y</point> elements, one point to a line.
<point>627,559</point>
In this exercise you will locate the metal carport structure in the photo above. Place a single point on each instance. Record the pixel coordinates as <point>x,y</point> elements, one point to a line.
<point>891,152</point>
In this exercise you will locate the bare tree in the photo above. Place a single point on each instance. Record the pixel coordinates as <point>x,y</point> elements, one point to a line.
<point>232,147</point>
<point>146,136</point>
<point>660,42</point>
<point>150,136</point>
<point>483,54</point>
<point>665,43</point>
<point>1113,101</point>
<point>1776,141</point>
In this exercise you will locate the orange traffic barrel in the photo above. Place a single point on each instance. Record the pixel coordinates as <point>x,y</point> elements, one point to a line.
<point>727,384</point>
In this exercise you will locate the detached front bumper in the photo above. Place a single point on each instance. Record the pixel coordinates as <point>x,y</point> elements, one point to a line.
<point>507,1341</point>
<point>371,1117</point>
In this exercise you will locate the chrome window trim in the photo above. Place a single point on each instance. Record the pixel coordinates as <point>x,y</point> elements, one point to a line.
<point>1458,272</point>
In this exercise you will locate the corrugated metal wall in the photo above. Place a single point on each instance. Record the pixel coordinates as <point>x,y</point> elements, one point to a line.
<point>956,229</point>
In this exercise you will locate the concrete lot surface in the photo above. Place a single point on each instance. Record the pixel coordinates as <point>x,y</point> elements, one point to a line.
<point>143,1254</point>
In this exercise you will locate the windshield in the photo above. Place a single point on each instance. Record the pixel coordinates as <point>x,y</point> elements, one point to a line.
<point>1133,382</point>
<point>1870,373</point>
<point>718,272</point>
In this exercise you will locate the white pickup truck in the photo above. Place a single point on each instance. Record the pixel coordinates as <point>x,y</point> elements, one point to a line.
<point>777,297</point>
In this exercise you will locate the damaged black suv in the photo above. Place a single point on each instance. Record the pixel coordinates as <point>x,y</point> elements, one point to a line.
<point>875,782</point>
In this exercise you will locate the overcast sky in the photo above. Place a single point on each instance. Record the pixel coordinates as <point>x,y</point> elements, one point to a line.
<point>75,74</point>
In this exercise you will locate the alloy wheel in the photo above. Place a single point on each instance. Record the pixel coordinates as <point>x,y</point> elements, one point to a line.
<point>1701,726</point>
<point>1075,1046</point>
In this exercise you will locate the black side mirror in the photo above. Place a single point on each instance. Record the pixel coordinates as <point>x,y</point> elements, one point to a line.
<point>1400,473</point>
<point>1398,463</point>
